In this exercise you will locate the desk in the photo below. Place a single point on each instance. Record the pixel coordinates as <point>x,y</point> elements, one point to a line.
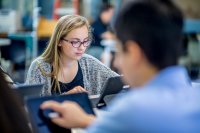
<point>4,42</point>
<point>4,64</point>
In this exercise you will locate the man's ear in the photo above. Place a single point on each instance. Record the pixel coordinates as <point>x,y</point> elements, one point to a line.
<point>134,51</point>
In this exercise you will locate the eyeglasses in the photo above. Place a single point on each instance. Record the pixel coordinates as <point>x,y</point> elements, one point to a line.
<point>77,44</point>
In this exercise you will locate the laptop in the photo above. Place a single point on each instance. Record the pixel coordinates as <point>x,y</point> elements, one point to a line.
<point>113,86</point>
<point>40,119</point>
<point>28,90</point>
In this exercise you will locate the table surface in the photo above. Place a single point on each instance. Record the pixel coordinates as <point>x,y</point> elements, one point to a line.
<point>4,42</point>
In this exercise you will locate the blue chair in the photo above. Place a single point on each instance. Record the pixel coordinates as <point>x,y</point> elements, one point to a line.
<point>95,51</point>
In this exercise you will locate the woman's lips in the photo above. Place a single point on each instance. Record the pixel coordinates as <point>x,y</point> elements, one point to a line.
<point>79,54</point>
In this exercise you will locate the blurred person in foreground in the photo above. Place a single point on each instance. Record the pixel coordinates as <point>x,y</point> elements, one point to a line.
<point>12,113</point>
<point>162,99</point>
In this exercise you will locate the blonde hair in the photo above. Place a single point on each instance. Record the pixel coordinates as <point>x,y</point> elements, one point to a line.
<point>52,53</point>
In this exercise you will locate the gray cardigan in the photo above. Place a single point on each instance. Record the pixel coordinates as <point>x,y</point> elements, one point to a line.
<point>95,74</point>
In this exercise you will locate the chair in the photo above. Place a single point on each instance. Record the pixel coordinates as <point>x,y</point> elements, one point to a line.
<point>95,51</point>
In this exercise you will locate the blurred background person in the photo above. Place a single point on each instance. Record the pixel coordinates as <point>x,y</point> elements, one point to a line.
<point>101,25</point>
<point>101,31</point>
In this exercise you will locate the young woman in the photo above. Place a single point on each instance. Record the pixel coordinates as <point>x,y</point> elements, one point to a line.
<point>63,67</point>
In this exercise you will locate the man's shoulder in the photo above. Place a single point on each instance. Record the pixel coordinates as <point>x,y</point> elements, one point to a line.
<point>158,97</point>
<point>163,98</point>
<point>148,107</point>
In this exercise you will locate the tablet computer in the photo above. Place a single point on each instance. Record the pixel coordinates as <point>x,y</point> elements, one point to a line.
<point>40,120</point>
<point>114,85</point>
<point>28,90</point>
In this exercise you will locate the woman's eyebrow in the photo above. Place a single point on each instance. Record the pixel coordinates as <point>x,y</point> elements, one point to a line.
<point>86,38</point>
<point>79,38</point>
<point>75,38</point>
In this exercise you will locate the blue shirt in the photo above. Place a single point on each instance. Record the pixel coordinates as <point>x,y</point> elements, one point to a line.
<point>167,103</point>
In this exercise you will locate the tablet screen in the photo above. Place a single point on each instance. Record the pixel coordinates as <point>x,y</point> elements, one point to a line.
<point>28,90</point>
<point>41,123</point>
<point>114,85</point>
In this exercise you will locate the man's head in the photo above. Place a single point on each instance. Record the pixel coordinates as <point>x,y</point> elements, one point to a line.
<point>151,36</point>
<point>106,13</point>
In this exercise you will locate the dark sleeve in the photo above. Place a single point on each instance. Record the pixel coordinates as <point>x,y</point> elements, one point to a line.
<point>98,28</point>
